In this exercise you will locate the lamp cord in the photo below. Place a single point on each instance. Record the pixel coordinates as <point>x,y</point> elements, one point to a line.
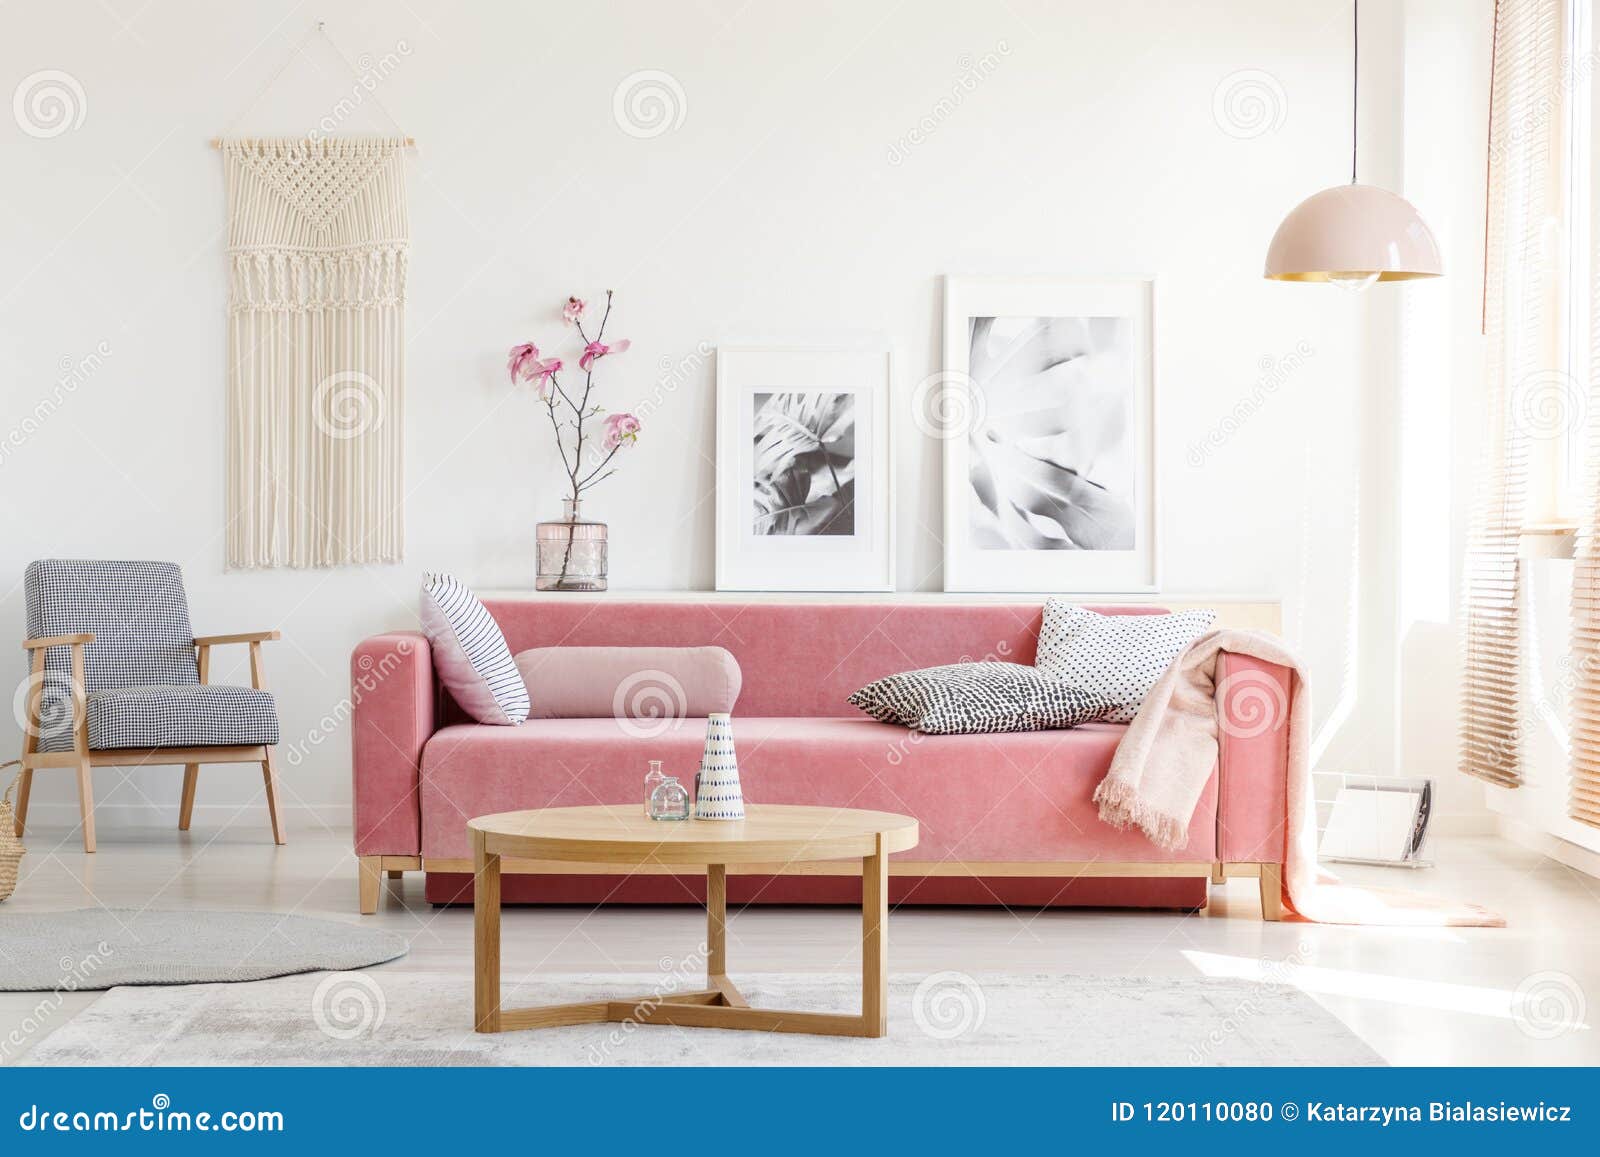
<point>1355,86</point>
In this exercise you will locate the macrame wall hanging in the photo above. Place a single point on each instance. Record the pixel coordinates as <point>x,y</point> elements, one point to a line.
<point>318,243</point>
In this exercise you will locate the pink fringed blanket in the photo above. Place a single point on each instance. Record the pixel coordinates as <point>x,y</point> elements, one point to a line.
<point>1170,752</point>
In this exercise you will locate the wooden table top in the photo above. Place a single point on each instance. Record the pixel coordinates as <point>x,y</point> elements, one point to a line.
<point>623,834</point>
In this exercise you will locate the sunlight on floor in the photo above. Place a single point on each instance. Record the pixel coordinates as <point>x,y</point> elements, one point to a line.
<point>1548,1003</point>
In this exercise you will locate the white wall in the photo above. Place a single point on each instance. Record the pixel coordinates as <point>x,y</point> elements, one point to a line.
<point>792,200</point>
<point>1439,422</point>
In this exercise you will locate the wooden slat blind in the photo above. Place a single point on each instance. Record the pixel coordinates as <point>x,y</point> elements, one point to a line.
<point>1520,316</point>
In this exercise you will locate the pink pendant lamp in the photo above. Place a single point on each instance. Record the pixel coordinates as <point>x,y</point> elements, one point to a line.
<point>1353,234</point>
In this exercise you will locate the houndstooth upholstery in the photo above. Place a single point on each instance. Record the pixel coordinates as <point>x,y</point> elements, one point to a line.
<point>192,715</point>
<point>140,674</point>
<point>137,611</point>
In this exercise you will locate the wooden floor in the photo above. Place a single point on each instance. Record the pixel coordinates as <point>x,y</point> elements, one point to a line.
<point>1418,996</point>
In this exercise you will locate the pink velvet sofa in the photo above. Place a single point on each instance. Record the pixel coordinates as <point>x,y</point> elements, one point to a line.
<point>1006,819</point>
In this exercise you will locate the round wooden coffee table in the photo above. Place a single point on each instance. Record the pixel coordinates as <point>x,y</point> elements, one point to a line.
<point>623,838</point>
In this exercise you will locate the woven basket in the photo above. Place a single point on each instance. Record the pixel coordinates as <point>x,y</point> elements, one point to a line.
<point>11,848</point>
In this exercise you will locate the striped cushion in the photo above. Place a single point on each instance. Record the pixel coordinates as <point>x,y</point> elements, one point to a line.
<point>471,654</point>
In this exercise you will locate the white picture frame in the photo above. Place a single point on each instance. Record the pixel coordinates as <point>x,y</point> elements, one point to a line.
<point>1018,514</point>
<point>787,521</point>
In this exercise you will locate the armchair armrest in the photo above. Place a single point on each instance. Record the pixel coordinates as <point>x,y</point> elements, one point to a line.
<point>78,640</point>
<point>245,637</point>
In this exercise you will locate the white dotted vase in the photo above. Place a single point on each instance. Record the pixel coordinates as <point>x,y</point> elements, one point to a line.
<point>720,797</point>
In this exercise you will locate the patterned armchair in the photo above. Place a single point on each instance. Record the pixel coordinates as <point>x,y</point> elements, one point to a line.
<point>118,678</point>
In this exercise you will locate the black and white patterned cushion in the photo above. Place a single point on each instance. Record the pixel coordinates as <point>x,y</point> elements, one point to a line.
<point>470,653</point>
<point>1117,656</point>
<point>137,610</point>
<point>975,698</point>
<point>190,715</point>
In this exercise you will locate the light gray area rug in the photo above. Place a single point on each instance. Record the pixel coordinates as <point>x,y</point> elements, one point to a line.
<point>97,948</point>
<point>390,1017</point>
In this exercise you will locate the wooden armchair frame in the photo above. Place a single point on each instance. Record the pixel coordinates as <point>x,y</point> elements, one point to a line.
<point>81,759</point>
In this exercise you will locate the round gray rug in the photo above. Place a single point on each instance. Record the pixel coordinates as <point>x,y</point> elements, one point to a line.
<point>95,948</point>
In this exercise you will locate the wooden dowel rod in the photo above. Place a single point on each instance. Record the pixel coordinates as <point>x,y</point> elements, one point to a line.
<point>217,142</point>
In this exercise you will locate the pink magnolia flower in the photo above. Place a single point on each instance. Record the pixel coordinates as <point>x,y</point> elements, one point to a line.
<point>522,357</point>
<point>527,366</point>
<point>573,310</point>
<point>620,428</point>
<point>594,351</point>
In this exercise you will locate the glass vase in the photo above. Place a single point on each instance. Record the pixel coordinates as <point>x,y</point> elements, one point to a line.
<point>670,800</point>
<point>572,552</point>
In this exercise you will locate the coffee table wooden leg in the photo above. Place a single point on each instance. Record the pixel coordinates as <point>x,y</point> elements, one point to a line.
<point>717,938</point>
<point>716,920</point>
<point>875,942</point>
<point>486,937</point>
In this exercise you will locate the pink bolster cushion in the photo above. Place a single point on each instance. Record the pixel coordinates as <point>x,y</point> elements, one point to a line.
<point>629,682</point>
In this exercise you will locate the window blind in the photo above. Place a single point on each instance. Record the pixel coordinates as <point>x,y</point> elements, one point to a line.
<point>1583,801</point>
<point>1521,296</point>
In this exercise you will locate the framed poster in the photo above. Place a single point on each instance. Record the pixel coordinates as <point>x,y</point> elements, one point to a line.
<point>803,470</point>
<point>1049,447</point>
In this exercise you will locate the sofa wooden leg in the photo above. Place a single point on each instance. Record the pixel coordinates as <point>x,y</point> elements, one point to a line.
<point>1219,872</point>
<point>269,776</point>
<point>1271,891</point>
<point>191,778</point>
<point>371,872</point>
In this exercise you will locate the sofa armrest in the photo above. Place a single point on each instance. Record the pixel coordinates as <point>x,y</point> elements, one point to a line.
<point>392,699</point>
<point>1253,759</point>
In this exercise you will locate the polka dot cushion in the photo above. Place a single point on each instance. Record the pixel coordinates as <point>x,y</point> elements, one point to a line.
<point>976,698</point>
<point>1117,656</point>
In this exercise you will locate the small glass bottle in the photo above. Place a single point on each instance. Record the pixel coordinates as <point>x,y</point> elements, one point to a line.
<point>652,780</point>
<point>670,800</point>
